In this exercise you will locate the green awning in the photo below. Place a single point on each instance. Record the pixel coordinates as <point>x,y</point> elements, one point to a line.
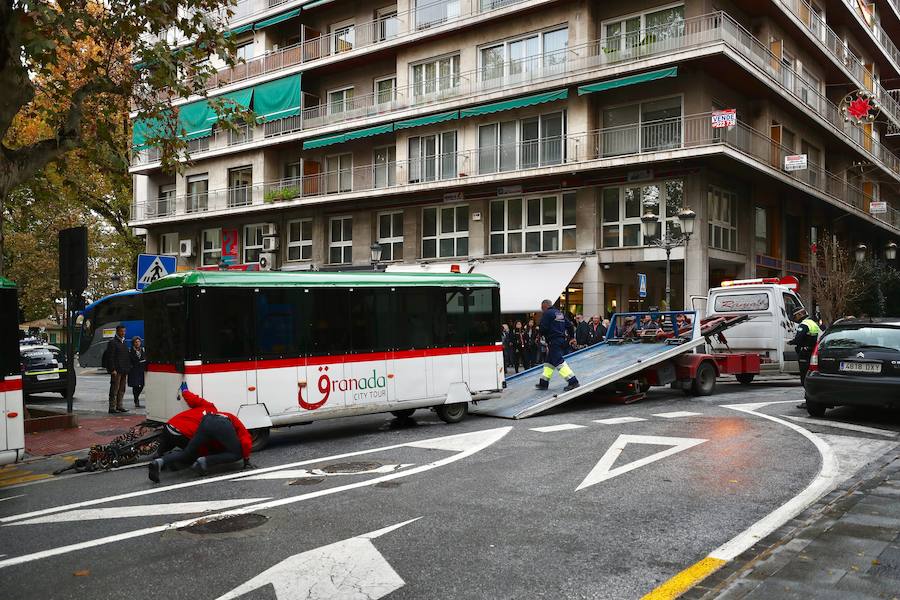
<point>338,138</point>
<point>195,120</point>
<point>513,104</point>
<point>277,19</point>
<point>277,99</point>
<point>240,30</point>
<point>601,86</point>
<point>316,3</point>
<point>242,98</point>
<point>419,121</point>
<point>144,129</point>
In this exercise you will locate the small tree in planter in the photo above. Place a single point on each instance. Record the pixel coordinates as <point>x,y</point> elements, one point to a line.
<point>281,194</point>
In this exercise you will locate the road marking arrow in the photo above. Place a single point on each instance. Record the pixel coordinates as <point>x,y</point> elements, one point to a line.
<point>603,471</point>
<point>351,569</point>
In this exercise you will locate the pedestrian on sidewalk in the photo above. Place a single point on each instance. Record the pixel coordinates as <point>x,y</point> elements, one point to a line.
<point>138,358</point>
<point>557,330</point>
<point>117,361</point>
<point>220,432</point>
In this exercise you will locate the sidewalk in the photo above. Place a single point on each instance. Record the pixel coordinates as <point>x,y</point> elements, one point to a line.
<point>90,431</point>
<point>845,546</point>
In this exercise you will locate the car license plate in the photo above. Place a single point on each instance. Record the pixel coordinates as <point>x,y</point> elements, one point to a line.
<point>47,376</point>
<point>860,367</point>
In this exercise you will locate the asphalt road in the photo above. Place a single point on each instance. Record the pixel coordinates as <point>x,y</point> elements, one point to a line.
<point>589,501</point>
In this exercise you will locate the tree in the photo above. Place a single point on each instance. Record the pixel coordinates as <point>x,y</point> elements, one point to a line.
<point>66,62</point>
<point>832,282</point>
<point>879,290</point>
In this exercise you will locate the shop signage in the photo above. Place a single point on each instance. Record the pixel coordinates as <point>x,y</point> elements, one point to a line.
<point>230,246</point>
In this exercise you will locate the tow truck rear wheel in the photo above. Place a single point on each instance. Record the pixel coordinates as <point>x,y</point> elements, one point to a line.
<point>745,378</point>
<point>452,413</point>
<point>705,380</point>
<point>259,438</point>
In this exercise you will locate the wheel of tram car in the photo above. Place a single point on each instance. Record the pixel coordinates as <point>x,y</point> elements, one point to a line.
<point>403,414</point>
<point>745,378</point>
<point>259,438</point>
<point>705,380</point>
<point>452,413</point>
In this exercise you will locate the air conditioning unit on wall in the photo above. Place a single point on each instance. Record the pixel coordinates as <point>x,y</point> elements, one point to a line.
<point>269,230</point>
<point>186,248</point>
<point>270,244</point>
<point>267,261</point>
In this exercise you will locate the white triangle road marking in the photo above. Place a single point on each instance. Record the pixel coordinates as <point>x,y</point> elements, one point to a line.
<point>141,510</point>
<point>603,469</point>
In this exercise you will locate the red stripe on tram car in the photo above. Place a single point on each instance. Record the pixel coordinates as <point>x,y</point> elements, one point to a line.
<point>10,385</point>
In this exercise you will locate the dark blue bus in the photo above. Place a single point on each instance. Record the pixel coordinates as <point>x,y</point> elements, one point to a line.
<point>99,320</point>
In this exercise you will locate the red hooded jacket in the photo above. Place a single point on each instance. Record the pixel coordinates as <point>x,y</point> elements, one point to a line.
<point>188,421</point>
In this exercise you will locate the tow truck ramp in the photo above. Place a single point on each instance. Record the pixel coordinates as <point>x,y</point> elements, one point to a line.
<point>596,366</point>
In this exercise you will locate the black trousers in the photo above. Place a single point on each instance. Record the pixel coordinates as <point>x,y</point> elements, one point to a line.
<point>213,428</point>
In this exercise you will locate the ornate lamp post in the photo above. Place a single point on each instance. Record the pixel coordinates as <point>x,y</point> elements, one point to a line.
<point>890,251</point>
<point>650,227</point>
<point>859,253</point>
<point>376,255</point>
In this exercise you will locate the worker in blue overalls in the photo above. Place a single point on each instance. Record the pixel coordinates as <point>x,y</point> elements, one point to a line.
<point>557,331</point>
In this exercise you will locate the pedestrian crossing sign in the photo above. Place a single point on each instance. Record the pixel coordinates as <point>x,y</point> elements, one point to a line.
<point>151,267</point>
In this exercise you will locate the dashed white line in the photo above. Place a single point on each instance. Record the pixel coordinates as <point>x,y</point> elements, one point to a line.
<point>619,420</point>
<point>552,428</point>
<point>676,414</point>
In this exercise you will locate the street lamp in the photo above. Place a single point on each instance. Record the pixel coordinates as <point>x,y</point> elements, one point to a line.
<point>860,253</point>
<point>890,250</point>
<point>376,255</point>
<point>650,226</point>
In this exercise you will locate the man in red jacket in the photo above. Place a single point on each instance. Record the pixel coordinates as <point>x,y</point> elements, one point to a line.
<point>208,430</point>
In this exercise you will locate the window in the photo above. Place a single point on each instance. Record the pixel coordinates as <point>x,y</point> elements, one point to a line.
<point>244,51</point>
<point>626,36</point>
<point>168,243</point>
<point>342,36</point>
<point>371,320</point>
<point>445,231</point>
<point>791,303</point>
<point>645,127</point>
<point>390,235</point>
<point>622,207</point>
<point>299,243</point>
<point>741,302</point>
<point>386,90</point>
<point>330,321</point>
<point>292,172</point>
<point>211,250</point>
<point>388,24</point>
<point>226,320</point>
<point>384,161</point>
<point>340,100</point>
<point>165,202</point>
<point>253,240</point>
<point>165,320</point>
<point>197,193</point>
<point>521,144</point>
<point>340,242</point>
<point>809,90</point>
<point>435,77</point>
<point>432,157</point>
<point>761,234</point>
<point>524,58</point>
<point>339,173</point>
<point>547,223</point>
<point>814,162</point>
<point>282,322</point>
<point>432,12</point>
<point>240,186</point>
<point>722,218</point>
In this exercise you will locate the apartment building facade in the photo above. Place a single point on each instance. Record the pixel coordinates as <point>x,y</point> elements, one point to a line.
<point>526,138</point>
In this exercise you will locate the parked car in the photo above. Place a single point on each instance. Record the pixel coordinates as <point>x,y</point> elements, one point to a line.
<point>856,363</point>
<point>43,367</point>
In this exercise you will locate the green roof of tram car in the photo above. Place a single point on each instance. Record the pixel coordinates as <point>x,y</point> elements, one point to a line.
<point>6,284</point>
<point>317,279</point>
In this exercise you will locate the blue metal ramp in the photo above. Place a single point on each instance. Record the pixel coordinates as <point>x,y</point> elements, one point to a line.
<point>595,367</point>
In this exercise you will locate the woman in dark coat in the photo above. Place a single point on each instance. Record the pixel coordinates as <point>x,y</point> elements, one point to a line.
<point>138,366</point>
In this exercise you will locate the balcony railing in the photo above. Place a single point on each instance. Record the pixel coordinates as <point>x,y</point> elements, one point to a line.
<point>587,151</point>
<point>873,23</point>
<point>834,45</point>
<point>683,35</point>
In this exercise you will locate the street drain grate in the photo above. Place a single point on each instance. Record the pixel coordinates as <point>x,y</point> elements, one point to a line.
<point>351,467</point>
<point>307,481</point>
<point>226,524</point>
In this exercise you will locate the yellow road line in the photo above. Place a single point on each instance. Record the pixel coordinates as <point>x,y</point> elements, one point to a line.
<point>10,473</point>
<point>23,479</point>
<point>685,580</point>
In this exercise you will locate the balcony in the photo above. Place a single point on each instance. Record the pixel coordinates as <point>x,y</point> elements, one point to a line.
<point>872,23</point>
<point>669,139</point>
<point>585,62</point>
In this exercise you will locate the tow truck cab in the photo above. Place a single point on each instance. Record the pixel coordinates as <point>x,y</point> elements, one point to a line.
<point>771,303</point>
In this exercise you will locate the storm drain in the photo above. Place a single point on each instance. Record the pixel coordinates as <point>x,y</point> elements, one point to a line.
<point>226,524</point>
<point>351,467</point>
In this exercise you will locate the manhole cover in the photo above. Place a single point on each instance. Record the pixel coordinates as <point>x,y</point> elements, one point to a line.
<point>351,467</point>
<point>227,524</point>
<point>307,481</point>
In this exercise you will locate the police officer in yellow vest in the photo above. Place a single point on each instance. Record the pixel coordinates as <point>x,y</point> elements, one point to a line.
<point>805,339</point>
